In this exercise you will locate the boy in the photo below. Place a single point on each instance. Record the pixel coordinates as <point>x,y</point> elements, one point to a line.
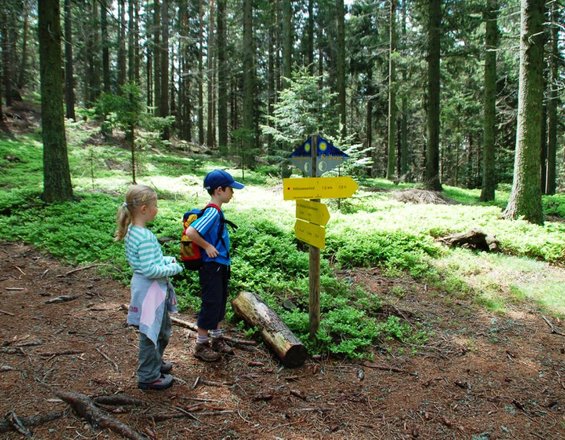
<point>211,234</point>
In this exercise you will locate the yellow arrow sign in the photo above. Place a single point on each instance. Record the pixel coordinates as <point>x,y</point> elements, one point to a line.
<point>313,212</point>
<point>310,233</point>
<point>319,188</point>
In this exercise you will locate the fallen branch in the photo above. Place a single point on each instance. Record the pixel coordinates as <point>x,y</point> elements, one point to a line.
<point>62,298</point>
<point>15,288</point>
<point>78,269</point>
<point>84,407</point>
<point>17,424</point>
<point>553,330</point>
<point>118,399</point>
<point>384,367</point>
<point>105,356</point>
<point>6,425</point>
<point>192,326</point>
<point>61,353</point>
<point>6,313</point>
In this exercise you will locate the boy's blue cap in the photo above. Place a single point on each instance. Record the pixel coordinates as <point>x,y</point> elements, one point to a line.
<point>215,179</point>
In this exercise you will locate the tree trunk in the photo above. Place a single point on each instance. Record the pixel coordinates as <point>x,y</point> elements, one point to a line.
<point>222,79</point>
<point>489,112</point>
<point>391,162</point>
<point>201,72</point>
<point>105,46</point>
<point>287,39</point>
<point>5,22</point>
<point>431,175</point>
<point>157,56</point>
<point>69,63</point>
<point>310,37</point>
<point>131,40</point>
<point>121,43</point>
<point>248,79</point>
<point>340,66</point>
<point>525,198</point>
<point>23,75</point>
<point>274,332</point>
<point>56,175</point>
<point>149,60</point>
<point>164,69</point>
<point>211,79</point>
<point>552,101</point>
<point>404,116</point>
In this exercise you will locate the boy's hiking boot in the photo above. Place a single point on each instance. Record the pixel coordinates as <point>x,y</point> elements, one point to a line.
<point>219,345</point>
<point>166,367</point>
<point>165,381</point>
<point>205,353</point>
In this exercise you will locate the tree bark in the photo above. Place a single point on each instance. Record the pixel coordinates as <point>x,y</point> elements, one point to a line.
<point>69,62</point>
<point>211,80</point>
<point>122,74</point>
<point>56,174</point>
<point>340,66</point>
<point>275,333</point>
<point>391,162</point>
<point>525,198</point>
<point>431,175</point>
<point>164,69</point>
<point>105,46</point>
<point>248,81</point>
<point>287,40</point>
<point>489,112</point>
<point>222,79</point>
<point>201,72</point>
<point>552,101</point>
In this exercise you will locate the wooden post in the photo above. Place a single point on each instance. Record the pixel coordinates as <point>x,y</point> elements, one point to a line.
<point>314,259</point>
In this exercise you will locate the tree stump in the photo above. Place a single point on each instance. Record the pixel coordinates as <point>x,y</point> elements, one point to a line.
<point>274,332</point>
<point>473,239</point>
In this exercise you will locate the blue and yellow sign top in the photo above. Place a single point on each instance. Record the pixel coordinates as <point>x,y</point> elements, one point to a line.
<point>328,156</point>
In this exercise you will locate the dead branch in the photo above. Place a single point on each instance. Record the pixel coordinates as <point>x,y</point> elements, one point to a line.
<point>84,407</point>
<point>192,326</point>
<point>105,356</point>
<point>61,353</point>
<point>553,329</point>
<point>6,425</point>
<point>17,424</point>
<point>14,288</point>
<point>384,367</point>
<point>118,399</point>
<point>78,269</point>
<point>62,298</point>
<point>6,313</point>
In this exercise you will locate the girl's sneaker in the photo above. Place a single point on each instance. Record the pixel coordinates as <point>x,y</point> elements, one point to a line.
<point>164,382</point>
<point>166,367</point>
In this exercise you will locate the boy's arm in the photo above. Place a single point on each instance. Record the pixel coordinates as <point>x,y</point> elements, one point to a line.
<point>194,236</point>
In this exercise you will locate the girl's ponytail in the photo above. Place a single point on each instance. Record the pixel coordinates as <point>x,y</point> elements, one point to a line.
<point>123,219</point>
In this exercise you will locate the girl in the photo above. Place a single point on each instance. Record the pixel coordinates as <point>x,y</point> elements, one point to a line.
<point>152,295</point>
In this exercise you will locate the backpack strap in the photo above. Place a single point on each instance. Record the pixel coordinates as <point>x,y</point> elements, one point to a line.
<point>223,221</point>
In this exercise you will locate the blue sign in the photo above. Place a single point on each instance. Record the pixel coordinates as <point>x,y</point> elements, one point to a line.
<point>328,157</point>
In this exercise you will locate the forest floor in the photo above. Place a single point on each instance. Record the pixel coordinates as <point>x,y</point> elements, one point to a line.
<point>481,376</point>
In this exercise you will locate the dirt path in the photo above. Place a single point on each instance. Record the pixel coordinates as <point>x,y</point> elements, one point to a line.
<point>481,377</point>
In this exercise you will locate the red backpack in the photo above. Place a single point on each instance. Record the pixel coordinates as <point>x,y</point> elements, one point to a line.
<point>190,252</point>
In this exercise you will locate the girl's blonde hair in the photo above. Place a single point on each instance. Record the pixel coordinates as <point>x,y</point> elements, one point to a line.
<point>137,195</point>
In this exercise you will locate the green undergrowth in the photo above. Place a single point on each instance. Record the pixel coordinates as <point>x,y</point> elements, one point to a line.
<point>371,229</point>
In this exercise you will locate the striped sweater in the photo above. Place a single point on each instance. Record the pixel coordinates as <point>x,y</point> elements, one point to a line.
<point>145,256</point>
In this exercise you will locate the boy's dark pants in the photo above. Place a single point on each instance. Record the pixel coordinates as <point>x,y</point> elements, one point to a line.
<point>214,278</point>
<point>151,356</point>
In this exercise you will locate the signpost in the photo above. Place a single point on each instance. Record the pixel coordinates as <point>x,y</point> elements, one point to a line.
<point>314,157</point>
<point>319,188</point>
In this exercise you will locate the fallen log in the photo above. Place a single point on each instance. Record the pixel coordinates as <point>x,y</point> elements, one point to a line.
<point>275,333</point>
<point>473,239</point>
<point>84,407</point>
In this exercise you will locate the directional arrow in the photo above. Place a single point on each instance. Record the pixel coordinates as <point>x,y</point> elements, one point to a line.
<point>313,212</point>
<point>310,233</point>
<point>319,188</point>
